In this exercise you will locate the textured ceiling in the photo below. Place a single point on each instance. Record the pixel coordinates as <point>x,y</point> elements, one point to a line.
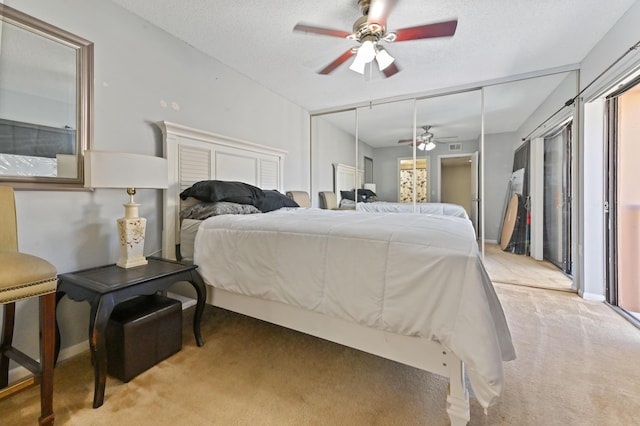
<point>495,39</point>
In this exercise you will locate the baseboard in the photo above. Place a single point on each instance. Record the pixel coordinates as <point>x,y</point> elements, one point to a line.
<point>19,372</point>
<point>594,297</point>
<point>186,301</point>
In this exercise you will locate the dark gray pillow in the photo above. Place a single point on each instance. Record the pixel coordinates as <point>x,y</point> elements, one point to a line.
<point>274,200</point>
<point>202,211</point>
<point>220,190</point>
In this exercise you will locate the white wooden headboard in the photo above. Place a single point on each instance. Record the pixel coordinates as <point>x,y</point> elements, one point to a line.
<point>345,178</point>
<point>194,155</point>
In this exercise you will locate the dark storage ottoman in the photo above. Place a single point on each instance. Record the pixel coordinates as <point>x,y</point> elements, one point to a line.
<point>142,332</point>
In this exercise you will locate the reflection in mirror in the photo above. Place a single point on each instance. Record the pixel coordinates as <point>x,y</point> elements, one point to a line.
<point>453,125</point>
<point>332,143</point>
<point>45,103</point>
<point>517,115</point>
<point>380,127</point>
<point>508,113</point>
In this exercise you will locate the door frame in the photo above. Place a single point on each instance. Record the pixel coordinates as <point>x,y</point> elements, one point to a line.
<point>475,199</point>
<point>611,200</point>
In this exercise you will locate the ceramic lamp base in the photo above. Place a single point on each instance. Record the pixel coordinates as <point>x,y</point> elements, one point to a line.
<point>131,232</point>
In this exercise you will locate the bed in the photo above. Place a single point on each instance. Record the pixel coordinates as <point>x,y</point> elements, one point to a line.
<point>300,267</point>
<point>345,177</point>
<point>444,209</point>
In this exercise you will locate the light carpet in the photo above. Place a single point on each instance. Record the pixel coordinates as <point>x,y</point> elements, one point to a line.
<point>510,268</point>
<point>577,365</point>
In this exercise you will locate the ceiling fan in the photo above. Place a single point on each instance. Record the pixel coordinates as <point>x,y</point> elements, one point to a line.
<point>425,141</point>
<point>371,29</point>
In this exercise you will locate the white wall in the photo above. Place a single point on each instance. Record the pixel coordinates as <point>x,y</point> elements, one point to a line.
<point>330,145</point>
<point>385,171</point>
<point>566,90</point>
<point>47,112</point>
<point>137,66</point>
<point>498,163</point>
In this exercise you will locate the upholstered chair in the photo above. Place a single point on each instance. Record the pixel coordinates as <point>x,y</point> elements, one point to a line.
<point>300,197</point>
<point>328,200</point>
<point>23,276</point>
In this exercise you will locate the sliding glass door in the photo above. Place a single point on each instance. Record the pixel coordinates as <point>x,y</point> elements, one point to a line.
<point>557,198</point>
<point>623,248</point>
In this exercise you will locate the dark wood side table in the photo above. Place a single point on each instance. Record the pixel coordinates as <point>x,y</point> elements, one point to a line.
<point>106,286</point>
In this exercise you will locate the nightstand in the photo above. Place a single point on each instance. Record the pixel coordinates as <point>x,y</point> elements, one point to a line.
<point>106,286</point>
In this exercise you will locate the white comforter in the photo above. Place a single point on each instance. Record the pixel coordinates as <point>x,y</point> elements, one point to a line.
<point>416,275</point>
<point>445,209</point>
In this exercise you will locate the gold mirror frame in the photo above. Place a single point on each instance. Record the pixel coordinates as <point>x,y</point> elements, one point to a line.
<point>84,99</point>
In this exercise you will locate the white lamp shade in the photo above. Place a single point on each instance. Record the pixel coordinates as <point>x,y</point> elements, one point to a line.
<point>109,169</point>
<point>358,65</point>
<point>429,146</point>
<point>384,59</point>
<point>367,51</point>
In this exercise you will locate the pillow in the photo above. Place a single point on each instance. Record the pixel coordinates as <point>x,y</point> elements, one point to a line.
<point>219,190</point>
<point>347,195</point>
<point>202,211</point>
<point>273,200</point>
<point>368,196</point>
<point>367,193</point>
<point>363,195</point>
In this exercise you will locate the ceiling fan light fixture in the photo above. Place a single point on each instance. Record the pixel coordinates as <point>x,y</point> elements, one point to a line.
<point>365,54</point>
<point>384,59</point>
<point>422,146</point>
<point>367,51</point>
<point>429,146</point>
<point>358,65</point>
<point>390,37</point>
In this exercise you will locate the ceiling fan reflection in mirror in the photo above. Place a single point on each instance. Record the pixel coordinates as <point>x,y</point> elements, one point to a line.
<point>426,141</point>
<point>370,30</point>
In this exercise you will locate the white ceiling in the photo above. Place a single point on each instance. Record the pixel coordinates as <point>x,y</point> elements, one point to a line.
<point>495,39</point>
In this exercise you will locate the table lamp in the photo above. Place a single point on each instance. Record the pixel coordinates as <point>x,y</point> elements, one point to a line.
<point>108,169</point>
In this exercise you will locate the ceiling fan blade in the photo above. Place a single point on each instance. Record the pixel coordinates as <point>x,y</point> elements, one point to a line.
<point>391,70</point>
<point>379,11</point>
<point>440,29</point>
<point>304,28</point>
<point>335,64</point>
<point>405,140</point>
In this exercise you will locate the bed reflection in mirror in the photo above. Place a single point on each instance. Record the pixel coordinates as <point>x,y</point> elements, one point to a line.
<point>509,113</point>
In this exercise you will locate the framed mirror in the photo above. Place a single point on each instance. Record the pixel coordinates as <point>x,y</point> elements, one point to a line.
<point>46,103</point>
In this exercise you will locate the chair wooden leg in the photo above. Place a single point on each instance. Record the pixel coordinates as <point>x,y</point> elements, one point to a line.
<point>43,371</point>
<point>6,340</point>
<point>47,354</point>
